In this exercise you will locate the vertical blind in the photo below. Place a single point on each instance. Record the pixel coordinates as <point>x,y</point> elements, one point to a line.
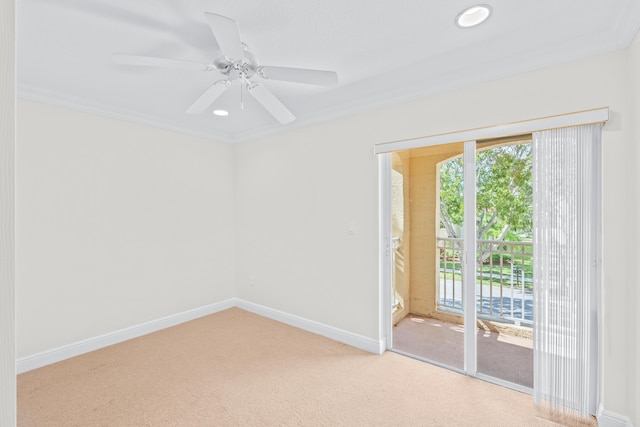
<point>566,193</point>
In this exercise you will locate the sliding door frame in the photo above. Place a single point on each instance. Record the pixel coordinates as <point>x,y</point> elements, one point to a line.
<point>385,267</point>
<point>469,259</point>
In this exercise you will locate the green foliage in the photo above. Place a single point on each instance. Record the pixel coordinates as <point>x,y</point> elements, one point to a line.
<point>503,193</point>
<point>496,259</point>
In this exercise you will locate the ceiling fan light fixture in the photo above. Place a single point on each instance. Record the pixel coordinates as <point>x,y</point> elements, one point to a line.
<point>472,16</point>
<point>220,113</point>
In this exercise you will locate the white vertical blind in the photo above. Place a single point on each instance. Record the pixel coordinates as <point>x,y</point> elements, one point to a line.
<point>566,274</point>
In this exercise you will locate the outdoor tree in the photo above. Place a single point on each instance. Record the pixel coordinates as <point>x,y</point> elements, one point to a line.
<point>503,193</point>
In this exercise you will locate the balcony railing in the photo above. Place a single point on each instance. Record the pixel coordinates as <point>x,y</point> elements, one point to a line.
<point>504,280</point>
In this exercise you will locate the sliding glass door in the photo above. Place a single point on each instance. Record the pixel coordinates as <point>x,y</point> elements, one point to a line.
<point>477,252</point>
<point>461,254</point>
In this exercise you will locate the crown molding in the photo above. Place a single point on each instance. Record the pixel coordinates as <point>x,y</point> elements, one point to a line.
<point>626,29</point>
<point>357,98</point>
<point>43,96</point>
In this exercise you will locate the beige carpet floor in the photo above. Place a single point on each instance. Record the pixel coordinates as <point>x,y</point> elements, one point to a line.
<point>235,368</point>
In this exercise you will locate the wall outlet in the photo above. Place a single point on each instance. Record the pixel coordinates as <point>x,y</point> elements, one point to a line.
<point>252,280</point>
<point>352,228</point>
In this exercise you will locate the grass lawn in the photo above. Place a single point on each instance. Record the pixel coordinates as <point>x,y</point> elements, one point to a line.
<point>496,271</point>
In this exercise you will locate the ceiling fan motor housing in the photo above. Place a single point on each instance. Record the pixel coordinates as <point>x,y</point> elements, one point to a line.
<point>236,68</point>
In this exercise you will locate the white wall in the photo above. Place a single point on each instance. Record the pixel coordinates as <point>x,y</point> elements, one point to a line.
<point>7,187</point>
<point>117,224</point>
<point>296,196</point>
<point>634,229</point>
<point>297,193</point>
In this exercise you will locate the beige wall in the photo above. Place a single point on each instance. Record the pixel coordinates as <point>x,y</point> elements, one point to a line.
<point>297,193</point>
<point>7,205</point>
<point>117,224</point>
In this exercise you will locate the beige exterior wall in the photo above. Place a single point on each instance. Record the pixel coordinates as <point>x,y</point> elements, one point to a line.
<point>415,218</point>
<point>424,225</point>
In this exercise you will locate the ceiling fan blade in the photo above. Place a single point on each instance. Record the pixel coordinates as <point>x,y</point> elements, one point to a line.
<point>227,33</point>
<point>300,75</point>
<point>208,97</point>
<point>151,61</point>
<point>271,103</point>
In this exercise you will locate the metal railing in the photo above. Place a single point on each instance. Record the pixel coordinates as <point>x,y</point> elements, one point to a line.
<point>504,280</point>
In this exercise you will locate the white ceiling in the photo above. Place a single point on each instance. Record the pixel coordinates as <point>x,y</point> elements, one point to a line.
<point>384,52</point>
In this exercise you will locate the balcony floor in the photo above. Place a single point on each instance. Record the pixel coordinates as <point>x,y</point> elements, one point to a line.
<point>499,355</point>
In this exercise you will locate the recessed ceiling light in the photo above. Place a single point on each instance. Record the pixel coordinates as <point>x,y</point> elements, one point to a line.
<point>474,15</point>
<point>221,113</point>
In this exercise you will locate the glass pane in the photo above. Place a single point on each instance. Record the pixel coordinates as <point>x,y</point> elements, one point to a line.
<point>504,281</point>
<point>427,213</point>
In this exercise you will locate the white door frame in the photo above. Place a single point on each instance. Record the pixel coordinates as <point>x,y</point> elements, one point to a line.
<point>385,272</point>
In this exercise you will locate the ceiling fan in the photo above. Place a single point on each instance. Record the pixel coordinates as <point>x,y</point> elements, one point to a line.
<point>237,65</point>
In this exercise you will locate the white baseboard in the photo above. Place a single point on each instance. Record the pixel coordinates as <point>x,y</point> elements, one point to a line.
<point>81,347</point>
<point>605,418</point>
<point>354,340</point>
<point>611,419</point>
<point>65,352</point>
